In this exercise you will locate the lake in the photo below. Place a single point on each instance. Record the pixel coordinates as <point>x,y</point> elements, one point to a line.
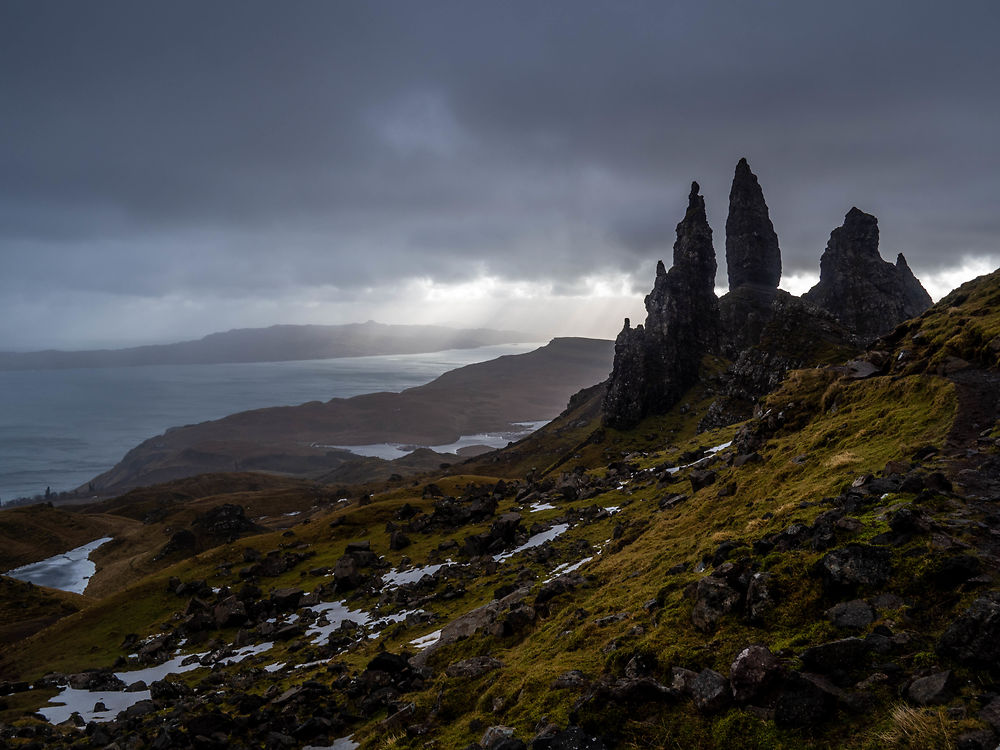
<point>61,428</point>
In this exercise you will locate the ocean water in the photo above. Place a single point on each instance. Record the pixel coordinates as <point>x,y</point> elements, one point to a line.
<point>61,428</point>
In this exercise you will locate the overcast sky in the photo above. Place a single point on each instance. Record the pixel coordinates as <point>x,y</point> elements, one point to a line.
<point>170,169</point>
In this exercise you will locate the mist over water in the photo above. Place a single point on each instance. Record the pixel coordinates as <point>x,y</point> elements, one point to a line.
<point>61,428</point>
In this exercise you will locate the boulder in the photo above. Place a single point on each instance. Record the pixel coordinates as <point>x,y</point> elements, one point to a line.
<point>714,598</point>
<point>973,638</point>
<point>475,666</point>
<point>843,655</point>
<point>931,690</point>
<point>853,615</point>
<point>710,691</point>
<point>754,672</point>
<point>802,703</point>
<point>854,565</point>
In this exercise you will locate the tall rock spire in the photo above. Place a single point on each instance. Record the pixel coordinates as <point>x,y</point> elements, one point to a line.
<point>656,363</point>
<point>752,254</point>
<point>867,294</point>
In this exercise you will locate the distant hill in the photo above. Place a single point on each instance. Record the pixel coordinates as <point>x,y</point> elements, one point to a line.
<point>274,344</point>
<point>296,440</point>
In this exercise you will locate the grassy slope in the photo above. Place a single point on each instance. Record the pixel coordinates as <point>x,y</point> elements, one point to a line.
<point>833,429</point>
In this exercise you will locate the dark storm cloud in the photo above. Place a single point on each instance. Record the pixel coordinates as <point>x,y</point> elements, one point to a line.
<point>229,149</point>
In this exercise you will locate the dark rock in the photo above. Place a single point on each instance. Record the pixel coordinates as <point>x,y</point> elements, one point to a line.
<point>714,598</point>
<point>854,615</point>
<point>710,691</point>
<point>867,294</point>
<point>991,714</point>
<point>572,738</point>
<point>388,662</point>
<point>656,364</point>
<point>802,703</point>
<point>753,673</point>
<point>956,570</point>
<point>977,739</point>
<point>346,573</point>
<point>855,565</point>
<point>973,638</point>
<point>843,655</point>
<point>759,600</point>
<point>398,540</point>
<point>167,690</point>
<point>473,667</point>
<point>701,478</point>
<point>286,599</point>
<point>572,680</point>
<point>752,254</point>
<point>932,690</point>
<point>494,735</point>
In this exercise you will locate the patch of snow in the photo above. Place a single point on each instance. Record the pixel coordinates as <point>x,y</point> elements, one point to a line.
<point>426,640</point>
<point>83,702</point>
<point>412,575</point>
<point>336,613</point>
<point>341,743</point>
<point>292,513</point>
<point>390,451</point>
<point>540,506</point>
<point>536,541</point>
<point>70,571</point>
<point>612,509</point>
<point>565,568</point>
<point>274,667</point>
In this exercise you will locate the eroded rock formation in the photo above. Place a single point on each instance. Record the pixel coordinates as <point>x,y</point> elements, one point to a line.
<point>752,254</point>
<point>867,294</point>
<point>656,363</point>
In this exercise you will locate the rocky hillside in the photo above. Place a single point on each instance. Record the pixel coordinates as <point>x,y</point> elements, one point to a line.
<point>823,574</point>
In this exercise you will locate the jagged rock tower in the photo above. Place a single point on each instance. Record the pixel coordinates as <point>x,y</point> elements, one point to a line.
<point>752,254</point>
<point>753,260</point>
<point>656,363</point>
<point>867,294</point>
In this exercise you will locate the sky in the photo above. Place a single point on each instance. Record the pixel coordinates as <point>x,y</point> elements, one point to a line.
<point>170,169</point>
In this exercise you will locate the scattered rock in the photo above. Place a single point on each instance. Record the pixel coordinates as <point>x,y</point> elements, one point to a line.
<point>710,691</point>
<point>932,690</point>
<point>475,666</point>
<point>754,672</point>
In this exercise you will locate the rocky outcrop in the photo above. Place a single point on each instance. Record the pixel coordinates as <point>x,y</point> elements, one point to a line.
<point>655,364</point>
<point>867,294</point>
<point>752,254</point>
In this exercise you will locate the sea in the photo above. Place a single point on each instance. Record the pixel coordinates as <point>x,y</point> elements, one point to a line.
<point>61,428</point>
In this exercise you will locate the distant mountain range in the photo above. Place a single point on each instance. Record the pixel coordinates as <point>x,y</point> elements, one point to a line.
<point>274,344</point>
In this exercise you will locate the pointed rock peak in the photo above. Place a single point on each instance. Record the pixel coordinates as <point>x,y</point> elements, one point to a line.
<point>869,295</point>
<point>858,236</point>
<point>752,253</point>
<point>661,270</point>
<point>693,250</point>
<point>628,324</point>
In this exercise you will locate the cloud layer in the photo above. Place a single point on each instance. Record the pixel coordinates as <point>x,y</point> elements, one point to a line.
<point>171,169</point>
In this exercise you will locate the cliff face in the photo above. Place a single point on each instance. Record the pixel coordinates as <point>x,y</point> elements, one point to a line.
<point>867,294</point>
<point>656,363</point>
